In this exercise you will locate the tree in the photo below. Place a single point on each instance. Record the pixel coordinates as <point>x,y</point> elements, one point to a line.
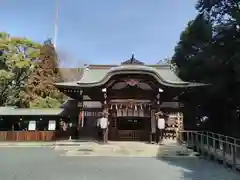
<point>40,87</point>
<point>17,60</point>
<point>188,55</point>
<point>165,61</point>
<point>208,51</point>
<point>220,11</point>
<point>28,71</point>
<point>47,102</point>
<point>224,49</point>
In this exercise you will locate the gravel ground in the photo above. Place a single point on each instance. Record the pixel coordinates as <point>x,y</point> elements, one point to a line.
<point>46,164</point>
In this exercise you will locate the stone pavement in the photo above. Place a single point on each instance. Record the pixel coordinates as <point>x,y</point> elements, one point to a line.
<point>113,148</point>
<point>170,148</point>
<point>47,164</point>
<point>26,144</point>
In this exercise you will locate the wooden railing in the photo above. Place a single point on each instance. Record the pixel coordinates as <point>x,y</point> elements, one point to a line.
<point>30,135</point>
<point>217,147</point>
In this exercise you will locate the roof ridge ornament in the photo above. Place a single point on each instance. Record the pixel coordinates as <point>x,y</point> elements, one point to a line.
<point>132,61</point>
<point>132,58</point>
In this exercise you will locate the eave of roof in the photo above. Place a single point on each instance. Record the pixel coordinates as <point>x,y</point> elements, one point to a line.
<point>10,111</point>
<point>96,75</point>
<point>69,85</point>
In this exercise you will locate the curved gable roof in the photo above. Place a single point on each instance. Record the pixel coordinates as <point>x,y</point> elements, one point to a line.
<point>98,75</point>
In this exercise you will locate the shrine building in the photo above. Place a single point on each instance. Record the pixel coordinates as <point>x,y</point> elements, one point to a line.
<point>132,93</point>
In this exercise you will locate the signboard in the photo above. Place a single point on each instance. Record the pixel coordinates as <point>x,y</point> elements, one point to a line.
<point>52,125</point>
<point>32,125</point>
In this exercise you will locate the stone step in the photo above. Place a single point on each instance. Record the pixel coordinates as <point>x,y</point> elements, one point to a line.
<point>128,149</point>
<point>126,153</point>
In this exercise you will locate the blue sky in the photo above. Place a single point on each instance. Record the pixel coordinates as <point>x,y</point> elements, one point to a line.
<point>101,32</point>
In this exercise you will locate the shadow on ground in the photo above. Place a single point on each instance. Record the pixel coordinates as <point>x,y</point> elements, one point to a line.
<point>196,168</point>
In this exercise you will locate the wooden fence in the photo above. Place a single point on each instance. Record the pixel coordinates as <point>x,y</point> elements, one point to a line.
<point>57,135</point>
<point>217,147</point>
<point>31,135</point>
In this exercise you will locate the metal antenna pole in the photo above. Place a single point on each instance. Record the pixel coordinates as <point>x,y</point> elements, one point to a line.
<point>56,24</point>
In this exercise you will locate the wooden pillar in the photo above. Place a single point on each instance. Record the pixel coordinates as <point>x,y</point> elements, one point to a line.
<point>159,100</point>
<point>105,103</point>
<point>81,115</point>
<point>158,103</point>
<point>105,109</point>
<point>153,121</point>
<point>152,135</point>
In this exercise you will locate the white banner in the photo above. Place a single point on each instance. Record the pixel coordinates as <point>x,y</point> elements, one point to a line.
<point>135,113</point>
<point>119,112</point>
<point>141,113</point>
<point>130,112</point>
<point>52,125</point>
<point>124,112</point>
<point>32,125</point>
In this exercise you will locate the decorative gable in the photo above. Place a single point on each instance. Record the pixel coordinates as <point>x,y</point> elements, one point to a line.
<point>132,61</point>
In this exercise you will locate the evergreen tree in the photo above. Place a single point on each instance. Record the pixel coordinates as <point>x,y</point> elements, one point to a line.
<point>17,60</point>
<point>208,51</point>
<point>40,87</point>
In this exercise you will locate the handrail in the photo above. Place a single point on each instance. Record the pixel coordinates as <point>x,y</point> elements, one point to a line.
<point>222,135</point>
<point>223,141</point>
<point>216,146</point>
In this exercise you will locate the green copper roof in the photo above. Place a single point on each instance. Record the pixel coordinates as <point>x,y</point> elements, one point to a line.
<point>93,75</point>
<point>96,75</point>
